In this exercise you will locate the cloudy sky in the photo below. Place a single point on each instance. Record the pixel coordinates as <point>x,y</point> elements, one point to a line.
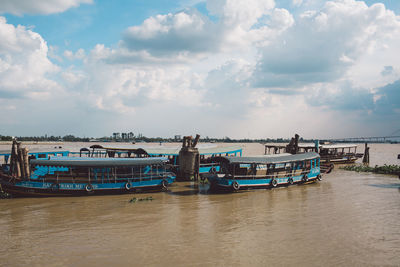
<point>237,68</point>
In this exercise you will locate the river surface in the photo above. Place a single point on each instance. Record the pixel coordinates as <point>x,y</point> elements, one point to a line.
<point>347,219</point>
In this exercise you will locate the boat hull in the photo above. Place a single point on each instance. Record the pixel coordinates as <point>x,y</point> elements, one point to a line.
<point>45,189</point>
<point>226,184</point>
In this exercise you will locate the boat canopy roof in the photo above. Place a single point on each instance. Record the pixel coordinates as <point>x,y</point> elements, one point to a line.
<point>334,146</point>
<point>36,151</point>
<point>174,151</point>
<point>284,145</point>
<point>311,145</point>
<point>97,162</point>
<point>269,160</point>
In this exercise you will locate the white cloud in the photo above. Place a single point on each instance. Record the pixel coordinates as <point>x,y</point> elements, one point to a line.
<point>125,87</point>
<point>20,7</point>
<point>73,79</point>
<point>244,14</point>
<point>24,64</point>
<point>323,45</point>
<point>79,54</point>
<point>190,34</point>
<point>184,31</point>
<point>244,71</point>
<point>185,61</point>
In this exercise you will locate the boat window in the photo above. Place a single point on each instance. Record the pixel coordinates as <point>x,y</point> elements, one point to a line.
<point>299,165</point>
<point>239,170</point>
<point>261,169</point>
<point>308,165</point>
<point>280,165</point>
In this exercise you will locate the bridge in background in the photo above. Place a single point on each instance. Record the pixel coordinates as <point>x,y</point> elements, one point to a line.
<point>375,139</point>
<point>393,137</point>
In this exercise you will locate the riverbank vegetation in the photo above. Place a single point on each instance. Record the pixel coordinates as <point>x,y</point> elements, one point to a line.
<point>385,169</point>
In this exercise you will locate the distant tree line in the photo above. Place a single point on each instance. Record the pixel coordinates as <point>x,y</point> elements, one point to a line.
<point>139,138</point>
<point>130,137</point>
<point>66,138</point>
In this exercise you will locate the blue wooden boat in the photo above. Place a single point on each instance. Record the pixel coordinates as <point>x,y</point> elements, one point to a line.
<point>74,176</point>
<point>265,171</point>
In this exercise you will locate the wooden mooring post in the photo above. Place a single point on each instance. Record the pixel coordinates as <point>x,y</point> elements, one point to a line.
<point>366,155</point>
<point>189,159</point>
<point>19,160</point>
<point>26,162</point>
<point>16,160</point>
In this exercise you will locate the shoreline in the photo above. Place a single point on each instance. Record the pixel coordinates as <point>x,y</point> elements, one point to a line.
<point>33,142</point>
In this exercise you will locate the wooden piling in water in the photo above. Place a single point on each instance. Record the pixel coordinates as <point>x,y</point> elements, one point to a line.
<point>21,161</point>
<point>12,158</point>
<point>17,161</point>
<point>366,155</point>
<point>189,159</point>
<point>26,162</point>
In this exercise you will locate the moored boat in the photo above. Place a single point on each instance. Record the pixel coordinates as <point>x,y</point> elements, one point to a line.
<point>331,154</point>
<point>206,154</point>
<point>265,172</point>
<point>339,153</point>
<point>74,176</point>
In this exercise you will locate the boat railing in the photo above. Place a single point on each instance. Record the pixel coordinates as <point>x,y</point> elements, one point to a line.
<point>106,178</point>
<point>146,176</point>
<point>209,164</point>
<point>273,175</point>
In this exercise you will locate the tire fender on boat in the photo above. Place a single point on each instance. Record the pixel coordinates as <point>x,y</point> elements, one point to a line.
<point>290,180</point>
<point>305,178</point>
<point>164,184</point>
<point>319,177</point>
<point>235,185</point>
<point>274,182</point>
<point>128,186</point>
<point>213,170</point>
<point>89,188</point>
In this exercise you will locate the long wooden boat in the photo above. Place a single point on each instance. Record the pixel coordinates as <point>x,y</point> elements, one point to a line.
<point>77,176</point>
<point>330,153</point>
<point>265,171</point>
<point>339,153</point>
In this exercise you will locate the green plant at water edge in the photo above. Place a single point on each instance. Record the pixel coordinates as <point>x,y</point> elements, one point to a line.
<point>385,169</point>
<point>133,200</point>
<point>4,195</point>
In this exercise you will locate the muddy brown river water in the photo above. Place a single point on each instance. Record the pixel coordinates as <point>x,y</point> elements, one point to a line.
<point>347,219</point>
